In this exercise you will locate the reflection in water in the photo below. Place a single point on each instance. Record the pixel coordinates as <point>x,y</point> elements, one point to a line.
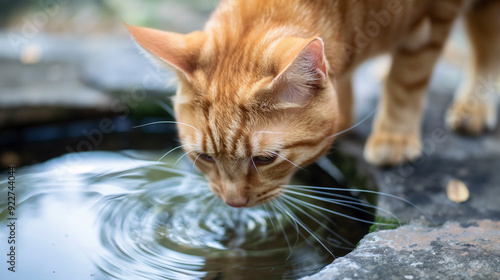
<point>108,215</point>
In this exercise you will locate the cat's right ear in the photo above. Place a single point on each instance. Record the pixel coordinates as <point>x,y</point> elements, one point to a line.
<point>178,51</point>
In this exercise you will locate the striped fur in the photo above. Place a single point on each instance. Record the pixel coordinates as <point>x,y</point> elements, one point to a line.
<point>266,83</point>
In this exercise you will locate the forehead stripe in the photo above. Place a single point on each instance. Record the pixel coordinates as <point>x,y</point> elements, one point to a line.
<point>239,133</point>
<point>209,131</point>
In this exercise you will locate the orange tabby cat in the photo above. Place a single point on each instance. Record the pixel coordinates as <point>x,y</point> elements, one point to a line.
<point>267,82</point>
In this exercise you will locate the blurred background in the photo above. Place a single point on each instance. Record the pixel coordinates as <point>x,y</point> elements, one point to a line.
<point>72,80</point>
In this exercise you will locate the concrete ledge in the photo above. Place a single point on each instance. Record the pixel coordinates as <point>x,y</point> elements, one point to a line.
<point>452,251</point>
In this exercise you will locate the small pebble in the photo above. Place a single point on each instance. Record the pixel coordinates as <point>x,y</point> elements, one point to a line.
<point>457,191</point>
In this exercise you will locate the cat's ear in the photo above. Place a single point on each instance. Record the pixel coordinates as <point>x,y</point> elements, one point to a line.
<point>302,70</point>
<point>176,50</point>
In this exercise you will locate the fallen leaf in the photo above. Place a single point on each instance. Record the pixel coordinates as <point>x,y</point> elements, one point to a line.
<point>457,191</point>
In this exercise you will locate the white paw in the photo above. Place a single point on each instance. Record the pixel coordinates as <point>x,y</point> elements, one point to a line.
<point>390,148</point>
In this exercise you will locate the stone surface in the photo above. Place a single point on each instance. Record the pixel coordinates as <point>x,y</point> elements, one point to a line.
<point>452,251</point>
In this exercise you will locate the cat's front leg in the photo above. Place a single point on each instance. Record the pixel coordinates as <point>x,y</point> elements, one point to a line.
<point>474,109</point>
<point>396,131</point>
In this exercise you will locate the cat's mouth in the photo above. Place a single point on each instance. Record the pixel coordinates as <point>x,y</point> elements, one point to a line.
<point>268,196</point>
<point>243,199</point>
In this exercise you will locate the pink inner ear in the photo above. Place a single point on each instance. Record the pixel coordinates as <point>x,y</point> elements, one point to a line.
<point>306,72</point>
<point>316,50</point>
<point>295,94</point>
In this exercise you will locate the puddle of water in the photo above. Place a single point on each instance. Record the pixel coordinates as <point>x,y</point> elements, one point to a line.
<point>105,215</point>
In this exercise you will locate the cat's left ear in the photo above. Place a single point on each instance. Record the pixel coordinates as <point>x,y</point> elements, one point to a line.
<point>178,51</point>
<point>302,72</point>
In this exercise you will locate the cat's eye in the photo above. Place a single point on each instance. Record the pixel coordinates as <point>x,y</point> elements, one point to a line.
<point>206,157</point>
<point>262,160</point>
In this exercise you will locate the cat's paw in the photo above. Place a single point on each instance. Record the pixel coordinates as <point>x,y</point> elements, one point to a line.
<point>390,148</point>
<point>470,118</point>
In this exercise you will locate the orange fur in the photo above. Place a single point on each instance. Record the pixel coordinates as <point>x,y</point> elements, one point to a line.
<point>260,86</point>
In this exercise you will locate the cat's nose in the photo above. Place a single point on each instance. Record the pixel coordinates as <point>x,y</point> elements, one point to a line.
<point>237,202</point>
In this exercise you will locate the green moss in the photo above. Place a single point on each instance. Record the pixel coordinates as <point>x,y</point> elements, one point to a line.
<point>382,223</point>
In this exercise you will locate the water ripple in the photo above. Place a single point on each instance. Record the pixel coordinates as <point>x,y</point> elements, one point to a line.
<point>155,222</point>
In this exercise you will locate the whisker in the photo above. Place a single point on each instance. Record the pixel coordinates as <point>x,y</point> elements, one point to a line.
<point>317,221</point>
<point>192,182</point>
<point>290,215</point>
<point>255,166</point>
<point>166,107</point>
<point>291,220</point>
<point>279,203</point>
<point>276,154</point>
<point>175,171</point>
<point>365,191</point>
<point>165,122</point>
<point>332,170</point>
<point>185,154</point>
<point>306,188</point>
<point>283,231</point>
<point>306,228</point>
<point>346,203</point>
<point>236,162</point>
<point>337,213</point>
<point>205,196</point>
<point>176,148</point>
<point>210,203</point>
<point>270,218</point>
<point>356,125</point>
<point>194,162</point>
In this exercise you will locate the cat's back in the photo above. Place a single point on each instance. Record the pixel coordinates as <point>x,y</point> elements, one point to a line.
<point>361,28</point>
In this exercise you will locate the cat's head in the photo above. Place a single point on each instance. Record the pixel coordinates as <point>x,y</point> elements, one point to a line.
<point>250,112</point>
